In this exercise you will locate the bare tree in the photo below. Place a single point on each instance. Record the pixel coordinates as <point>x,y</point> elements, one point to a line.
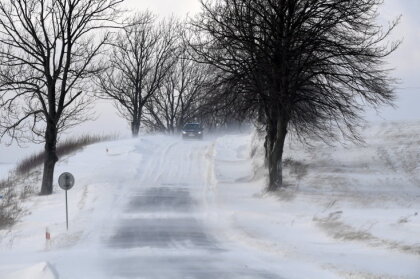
<point>181,96</point>
<point>141,56</point>
<point>47,53</point>
<point>305,66</point>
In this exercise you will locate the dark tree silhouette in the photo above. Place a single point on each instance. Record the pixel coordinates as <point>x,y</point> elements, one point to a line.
<point>181,96</point>
<point>47,53</point>
<point>141,57</point>
<point>305,66</point>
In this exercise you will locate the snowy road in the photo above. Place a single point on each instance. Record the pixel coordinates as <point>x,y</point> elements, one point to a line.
<point>165,223</point>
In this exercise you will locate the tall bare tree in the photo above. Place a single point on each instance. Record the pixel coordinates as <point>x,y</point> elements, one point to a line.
<point>181,96</point>
<point>47,53</point>
<point>299,65</point>
<point>141,56</point>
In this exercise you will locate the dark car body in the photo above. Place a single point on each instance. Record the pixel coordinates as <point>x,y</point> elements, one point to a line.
<point>192,130</point>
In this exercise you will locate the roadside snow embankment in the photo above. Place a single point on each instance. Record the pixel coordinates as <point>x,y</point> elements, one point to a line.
<point>102,172</point>
<point>347,212</point>
<point>38,271</point>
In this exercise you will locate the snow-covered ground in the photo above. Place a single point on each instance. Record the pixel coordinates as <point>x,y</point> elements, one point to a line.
<point>160,207</point>
<point>351,212</point>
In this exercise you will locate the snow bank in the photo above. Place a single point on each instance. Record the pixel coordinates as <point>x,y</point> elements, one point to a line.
<point>39,271</point>
<point>348,211</point>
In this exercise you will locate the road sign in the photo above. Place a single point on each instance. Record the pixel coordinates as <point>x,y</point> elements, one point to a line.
<point>66,181</point>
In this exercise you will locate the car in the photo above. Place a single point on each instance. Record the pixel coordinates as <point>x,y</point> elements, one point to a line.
<point>192,130</point>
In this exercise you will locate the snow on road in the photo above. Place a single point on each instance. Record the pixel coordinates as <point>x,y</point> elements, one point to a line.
<point>165,224</point>
<point>160,207</point>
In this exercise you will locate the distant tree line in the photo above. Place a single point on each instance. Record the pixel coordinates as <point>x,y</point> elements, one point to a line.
<point>305,67</point>
<point>155,82</point>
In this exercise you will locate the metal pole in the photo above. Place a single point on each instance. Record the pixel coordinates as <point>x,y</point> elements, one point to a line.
<point>67,213</point>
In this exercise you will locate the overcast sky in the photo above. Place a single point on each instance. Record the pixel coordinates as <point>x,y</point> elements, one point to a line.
<point>406,61</point>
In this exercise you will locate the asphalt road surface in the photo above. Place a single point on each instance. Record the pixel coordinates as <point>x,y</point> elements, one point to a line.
<point>164,230</point>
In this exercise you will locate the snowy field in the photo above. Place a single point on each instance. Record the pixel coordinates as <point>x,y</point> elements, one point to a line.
<point>160,207</point>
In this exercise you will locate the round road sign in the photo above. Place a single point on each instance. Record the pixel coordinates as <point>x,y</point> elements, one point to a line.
<point>66,181</point>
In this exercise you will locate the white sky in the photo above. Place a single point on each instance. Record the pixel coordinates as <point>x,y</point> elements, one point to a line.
<point>406,61</point>
<point>165,7</point>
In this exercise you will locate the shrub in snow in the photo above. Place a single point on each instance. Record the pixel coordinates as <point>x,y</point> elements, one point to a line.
<point>9,203</point>
<point>65,148</point>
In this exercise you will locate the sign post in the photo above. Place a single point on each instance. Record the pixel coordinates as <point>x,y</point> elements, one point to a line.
<point>66,182</point>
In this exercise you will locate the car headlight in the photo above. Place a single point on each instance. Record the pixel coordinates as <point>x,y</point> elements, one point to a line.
<point>183,132</point>
<point>199,133</point>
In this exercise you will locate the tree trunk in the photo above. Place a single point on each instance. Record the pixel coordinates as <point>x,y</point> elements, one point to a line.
<point>275,138</point>
<point>135,123</point>
<point>50,158</point>
<point>135,128</point>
